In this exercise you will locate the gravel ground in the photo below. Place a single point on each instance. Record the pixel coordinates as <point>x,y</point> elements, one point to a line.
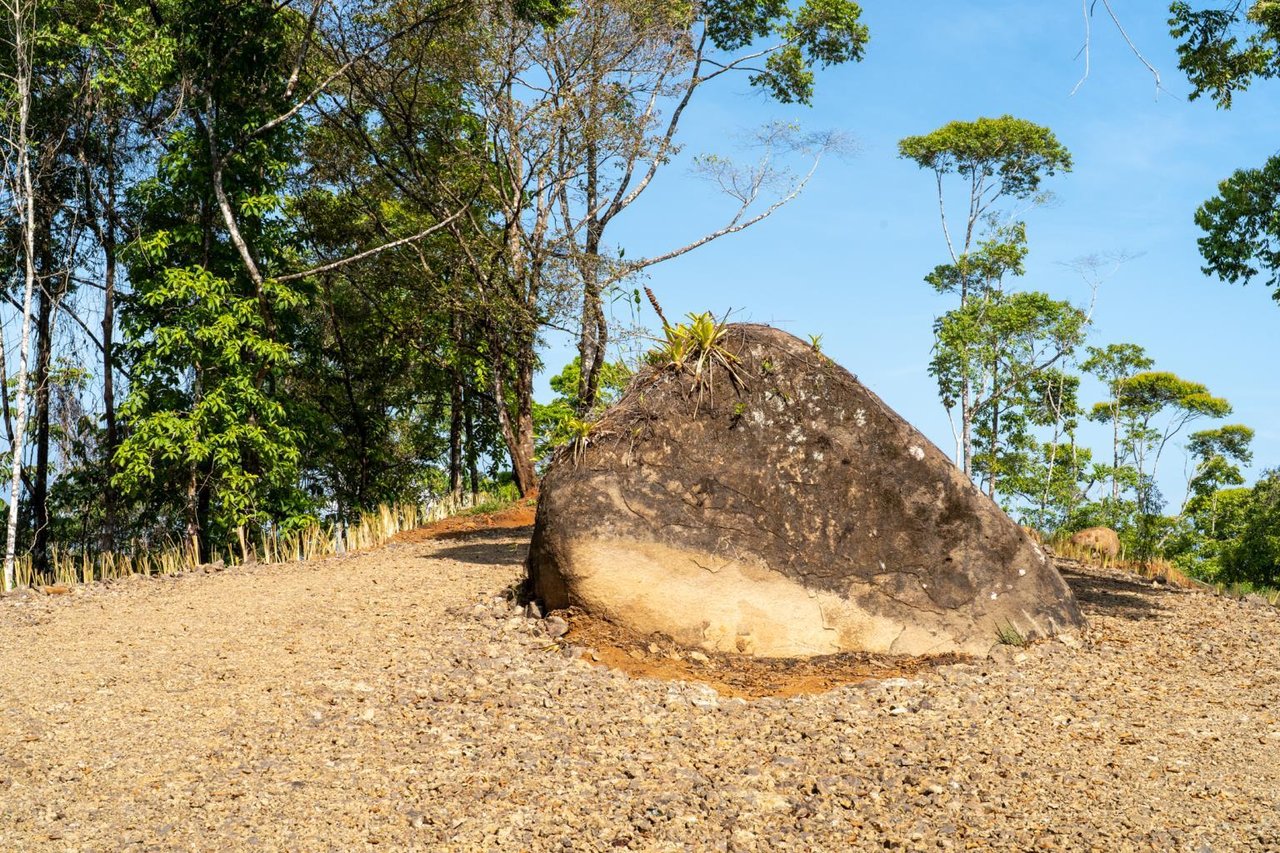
<point>394,699</point>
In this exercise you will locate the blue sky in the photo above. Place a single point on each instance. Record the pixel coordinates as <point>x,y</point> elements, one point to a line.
<point>846,259</point>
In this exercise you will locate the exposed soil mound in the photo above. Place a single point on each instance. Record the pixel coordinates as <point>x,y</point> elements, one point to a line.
<point>780,509</point>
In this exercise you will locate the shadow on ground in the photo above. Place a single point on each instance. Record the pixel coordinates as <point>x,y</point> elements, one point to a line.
<point>1104,595</point>
<point>500,547</point>
<point>488,534</point>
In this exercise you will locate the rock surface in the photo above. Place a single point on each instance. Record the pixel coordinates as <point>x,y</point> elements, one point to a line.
<point>396,701</point>
<point>1101,541</point>
<point>784,512</point>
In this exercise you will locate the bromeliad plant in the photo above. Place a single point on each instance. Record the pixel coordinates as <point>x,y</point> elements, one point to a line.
<point>695,347</point>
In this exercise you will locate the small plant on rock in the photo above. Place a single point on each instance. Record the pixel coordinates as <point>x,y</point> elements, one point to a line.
<point>1008,635</point>
<point>695,347</point>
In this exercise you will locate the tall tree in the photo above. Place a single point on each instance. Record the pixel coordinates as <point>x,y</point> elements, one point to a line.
<point>1113,364</point>
<point>208,333</point>
<point>611,69</point>
<point>21,188</point>
<point>1155,406</point>
<point>996,160</point>
<point>1217,454</point>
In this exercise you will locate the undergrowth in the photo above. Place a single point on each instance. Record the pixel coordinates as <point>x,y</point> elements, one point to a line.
<point>372,530</point>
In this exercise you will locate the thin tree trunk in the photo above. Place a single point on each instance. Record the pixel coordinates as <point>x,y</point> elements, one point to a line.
<point>517,430</point>
<point>455,408</point>
<point>1115,447</point>
<point>44,356</point>
<point>108,238</point>
<point>192,512</point>
<point>23,16</point>
<point>593,335</point>
<point>469,431</point>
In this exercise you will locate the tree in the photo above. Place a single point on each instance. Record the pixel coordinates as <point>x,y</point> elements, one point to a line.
<point>21,188</point>
<point>1218,453</point>
<point>1223,51</point>
<point>994,349</point>
<point>610,68</point>
<point>1142,399</point>
<point>1211,53</point>
<point>1211,517</point>
<point>208,334</point>
<point>1001,159</point>
<point>1047,476</point>
<point>1113,364</point>
<point>996,159</point>
<point>1254,556</point>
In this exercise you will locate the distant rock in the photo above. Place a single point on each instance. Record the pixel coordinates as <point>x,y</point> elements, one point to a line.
<point>783,511</point>
<point>1101,541</point>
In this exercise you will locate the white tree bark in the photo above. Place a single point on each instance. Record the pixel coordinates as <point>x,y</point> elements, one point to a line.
<point>23,14</point>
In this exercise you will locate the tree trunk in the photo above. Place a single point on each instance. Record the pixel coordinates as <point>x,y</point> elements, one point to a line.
<point>44,356</point>
<point>455,436</point>
<point>517,426</point>
<point>108,237</point>
<point>1115,448</point>
<point>993,452</point>
<point>22,19</point>
<point>191,511</point>
<point>455,409</point>
<point>204,497</point>
<point>593,336</point>
<point>468,434</point>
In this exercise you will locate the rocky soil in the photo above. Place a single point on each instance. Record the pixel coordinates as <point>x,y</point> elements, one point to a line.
<point>397,700</point>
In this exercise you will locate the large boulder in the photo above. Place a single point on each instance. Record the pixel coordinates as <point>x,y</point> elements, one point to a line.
<point>783,512</point>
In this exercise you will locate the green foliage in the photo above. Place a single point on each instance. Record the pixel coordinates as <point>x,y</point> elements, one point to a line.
<point>558,423</point>
<point>1002,254</point>
<point>1216,452</point>
<point>1255,555</point>
<point>1145,394</point>
<point>1242,232</point>
<point>1212,54</point>
<point>206,417</point>
<point>1046,477</point>
<point>1015,153</point>
<point>1008,635</point>
<point>1222,51</point>
<point>545,13</point>
<point>1139,400</point>
<point>1001,340</point>
<point>225,422</point>
<point>816,33</point>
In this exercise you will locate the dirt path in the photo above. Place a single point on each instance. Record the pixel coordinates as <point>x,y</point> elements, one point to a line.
<point>387,699</point>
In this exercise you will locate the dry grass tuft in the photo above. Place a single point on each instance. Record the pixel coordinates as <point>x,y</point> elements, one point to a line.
<point>373,530</point>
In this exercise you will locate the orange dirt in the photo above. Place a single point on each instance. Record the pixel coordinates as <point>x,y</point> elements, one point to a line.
<point>733,675</point>
<point>519,515</point>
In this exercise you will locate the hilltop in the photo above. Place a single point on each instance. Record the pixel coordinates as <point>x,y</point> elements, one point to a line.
<point>399,698</point>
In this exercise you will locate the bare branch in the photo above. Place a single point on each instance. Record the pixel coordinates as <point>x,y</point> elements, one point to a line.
<point>360,256</point>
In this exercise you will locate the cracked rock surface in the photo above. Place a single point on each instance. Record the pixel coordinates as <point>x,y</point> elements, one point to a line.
<point>779,508</point>
<point>397,700</point>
